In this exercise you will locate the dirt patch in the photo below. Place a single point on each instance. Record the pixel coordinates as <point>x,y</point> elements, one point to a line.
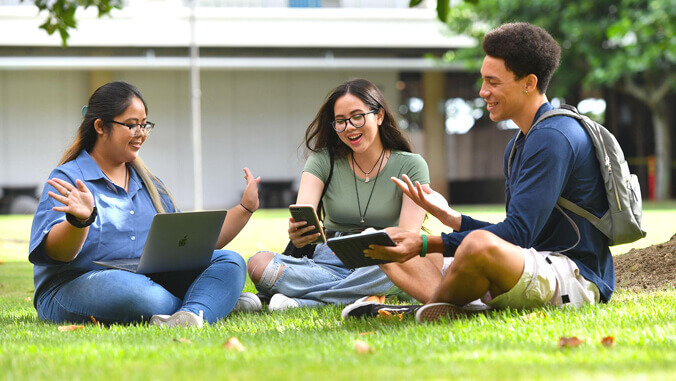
<point>649,269</point>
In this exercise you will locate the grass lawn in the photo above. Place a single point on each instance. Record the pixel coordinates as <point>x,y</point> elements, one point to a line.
<point>316,343</point>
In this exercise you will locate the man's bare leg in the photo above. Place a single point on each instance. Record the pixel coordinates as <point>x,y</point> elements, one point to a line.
<point>483,262</point>
<point>418,277</point>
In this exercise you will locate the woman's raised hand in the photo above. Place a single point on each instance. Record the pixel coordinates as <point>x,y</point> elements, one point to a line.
<point>250,196</point>
<point>77,200</point>
<point>430,200</point>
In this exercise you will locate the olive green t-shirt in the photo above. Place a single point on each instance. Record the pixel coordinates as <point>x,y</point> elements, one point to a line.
<point>340,200</point>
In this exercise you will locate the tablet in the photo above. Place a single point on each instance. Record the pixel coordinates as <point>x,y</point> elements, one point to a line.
<point>350,249</point>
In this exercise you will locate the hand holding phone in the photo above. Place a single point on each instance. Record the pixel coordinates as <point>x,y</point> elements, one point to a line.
<point>302,212</point>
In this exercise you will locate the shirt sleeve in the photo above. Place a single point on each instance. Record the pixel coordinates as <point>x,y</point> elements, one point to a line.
<point>45,218</point>
<point>417,170</point>
<point>545,166</point>
<point>318,164</point>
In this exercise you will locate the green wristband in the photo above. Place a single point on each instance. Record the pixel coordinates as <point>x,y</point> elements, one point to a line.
<point>424,246</point>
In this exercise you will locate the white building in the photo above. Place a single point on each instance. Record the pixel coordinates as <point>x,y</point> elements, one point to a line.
<point>265,70</point>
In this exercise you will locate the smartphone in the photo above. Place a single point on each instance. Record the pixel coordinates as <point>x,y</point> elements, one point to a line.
<point>301,212</point>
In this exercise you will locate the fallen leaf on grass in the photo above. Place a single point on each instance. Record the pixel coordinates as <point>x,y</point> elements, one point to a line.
<point>183,340</point>
<point>234,344</point>
<point>366,333</point>
<point>608,341</point>
<point>533,315</point>
<point>362,348</point>
<point>65,328</point>
<point>380,299</point>
<point>383,314</point>
<point>28,298</point>
<point>570,342</point>
<point>94,320</point>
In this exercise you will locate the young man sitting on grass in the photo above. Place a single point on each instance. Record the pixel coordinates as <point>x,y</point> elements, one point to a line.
<point>523,261</point>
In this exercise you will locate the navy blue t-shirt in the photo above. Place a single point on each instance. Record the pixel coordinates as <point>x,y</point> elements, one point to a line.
<point>556,158</point>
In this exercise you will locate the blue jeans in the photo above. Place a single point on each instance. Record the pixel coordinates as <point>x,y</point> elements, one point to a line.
<point>117,296</point>
<point>325,279</point>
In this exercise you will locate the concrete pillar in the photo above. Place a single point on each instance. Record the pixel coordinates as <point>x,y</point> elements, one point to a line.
<point>97,79</point>
<point>435,131</point>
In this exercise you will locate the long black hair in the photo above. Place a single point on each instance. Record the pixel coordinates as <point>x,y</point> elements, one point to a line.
<point>320,135</point>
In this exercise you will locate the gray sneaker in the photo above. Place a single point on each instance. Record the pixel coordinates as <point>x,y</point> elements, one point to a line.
<point>248,302</point>
<point>178,319</point>
<point>434,312</point>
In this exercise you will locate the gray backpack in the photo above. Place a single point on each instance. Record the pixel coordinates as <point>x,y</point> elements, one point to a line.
<point>622,223</point>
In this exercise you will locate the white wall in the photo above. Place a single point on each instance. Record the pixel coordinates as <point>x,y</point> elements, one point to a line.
<point>39,115</point>
<point>249,118</point>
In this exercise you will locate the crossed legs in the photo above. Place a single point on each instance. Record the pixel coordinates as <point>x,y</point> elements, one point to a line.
<point>483,263</point>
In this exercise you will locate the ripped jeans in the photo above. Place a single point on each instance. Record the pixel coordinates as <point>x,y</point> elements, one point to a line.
<point>323,279</point>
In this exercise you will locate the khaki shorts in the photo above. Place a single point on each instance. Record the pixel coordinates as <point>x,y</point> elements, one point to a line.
<point>547,279</point>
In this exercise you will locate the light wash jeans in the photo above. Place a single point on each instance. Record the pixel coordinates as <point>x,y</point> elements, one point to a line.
<point>324,279</point>
<point>117,296</point>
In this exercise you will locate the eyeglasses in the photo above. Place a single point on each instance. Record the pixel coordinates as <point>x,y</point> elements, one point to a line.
<point>136,128</point>
<point>357,120</point>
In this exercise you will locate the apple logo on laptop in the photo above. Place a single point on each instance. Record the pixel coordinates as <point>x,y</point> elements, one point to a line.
<point>183,241</point>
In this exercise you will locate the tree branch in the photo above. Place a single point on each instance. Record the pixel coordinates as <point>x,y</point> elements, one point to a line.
<point>630,87</point>
<point>662,90</point>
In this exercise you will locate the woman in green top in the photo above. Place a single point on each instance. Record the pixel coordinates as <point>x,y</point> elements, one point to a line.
<point>355,126</point>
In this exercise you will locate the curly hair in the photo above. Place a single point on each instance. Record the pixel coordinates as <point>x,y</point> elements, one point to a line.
<point>526,49</point>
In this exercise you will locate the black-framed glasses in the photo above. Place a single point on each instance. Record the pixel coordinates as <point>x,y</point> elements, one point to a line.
<point>136,128</point>
<point>357,120</point>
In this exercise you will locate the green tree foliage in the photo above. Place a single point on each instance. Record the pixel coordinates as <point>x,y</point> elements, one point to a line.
<point>628,45</point>
<point>61,13</point>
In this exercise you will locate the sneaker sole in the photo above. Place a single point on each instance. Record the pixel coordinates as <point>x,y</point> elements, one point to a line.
<point>357,310</point>
<point>436,311</point>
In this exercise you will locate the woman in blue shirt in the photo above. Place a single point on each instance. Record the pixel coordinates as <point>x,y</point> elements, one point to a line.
<point>98,205</point>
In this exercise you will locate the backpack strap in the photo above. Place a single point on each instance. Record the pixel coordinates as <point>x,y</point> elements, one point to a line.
<point>569,111</point>
<point>320,205</point>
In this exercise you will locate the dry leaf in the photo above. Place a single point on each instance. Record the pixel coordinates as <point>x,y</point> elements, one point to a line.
<point>383,314</point>
<point>362,348</point>
<point>64,328</point>
<point>233,343</point>
<point>533,315</point>
<point>608,341</point>
<point>94,319</point>
<point>570,342</point>
<point>28,298</point>
<point>183,340</point>
<point>380,299</point>
<point>366,333</point>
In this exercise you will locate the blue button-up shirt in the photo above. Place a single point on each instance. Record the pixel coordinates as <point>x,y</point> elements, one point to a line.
<point>555,159</point>
<point>119,231</point>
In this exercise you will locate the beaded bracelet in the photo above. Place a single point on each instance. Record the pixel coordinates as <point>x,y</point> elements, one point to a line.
<point>79,223</point>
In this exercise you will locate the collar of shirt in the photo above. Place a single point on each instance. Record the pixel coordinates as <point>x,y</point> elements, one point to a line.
<point>91,171</point>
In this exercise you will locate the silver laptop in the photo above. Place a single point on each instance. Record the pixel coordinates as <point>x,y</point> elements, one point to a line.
<point>176,242</point>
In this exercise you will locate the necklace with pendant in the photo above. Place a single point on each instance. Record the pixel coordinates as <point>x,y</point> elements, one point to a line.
<point>363,223</point>
<point>354,162</point>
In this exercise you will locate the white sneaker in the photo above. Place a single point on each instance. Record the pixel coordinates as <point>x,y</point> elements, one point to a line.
<point>281,302</point>
<point>248,302</point>
<point>178,319</point>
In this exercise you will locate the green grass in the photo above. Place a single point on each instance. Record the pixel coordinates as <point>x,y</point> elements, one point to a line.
<point>316,343</point>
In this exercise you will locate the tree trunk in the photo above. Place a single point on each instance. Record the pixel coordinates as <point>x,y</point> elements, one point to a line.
<point>662,150</point>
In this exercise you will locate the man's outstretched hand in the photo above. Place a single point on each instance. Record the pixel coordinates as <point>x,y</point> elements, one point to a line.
<point>430,200</point>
